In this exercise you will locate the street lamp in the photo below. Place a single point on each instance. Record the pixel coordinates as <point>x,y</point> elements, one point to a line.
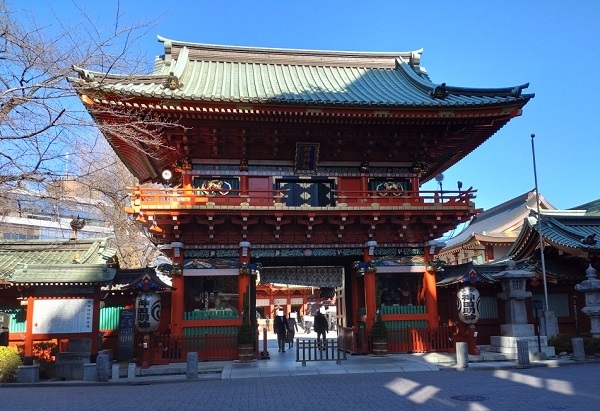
<point>539,226</point>
<point>537,305</point>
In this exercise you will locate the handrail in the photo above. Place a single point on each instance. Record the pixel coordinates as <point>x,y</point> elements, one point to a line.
<point>161,196</point>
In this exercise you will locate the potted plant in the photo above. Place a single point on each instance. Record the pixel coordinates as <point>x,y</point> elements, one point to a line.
<point>379,337</point>
<point>245,341</point>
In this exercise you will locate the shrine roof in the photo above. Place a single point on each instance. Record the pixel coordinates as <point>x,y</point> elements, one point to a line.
<point>468,273</point>
<point>570,231</point>
<point>591,208</point>
<point>140,279</point>
<point>56,261</point>
<point>501,223</point>
<point>229,74</point>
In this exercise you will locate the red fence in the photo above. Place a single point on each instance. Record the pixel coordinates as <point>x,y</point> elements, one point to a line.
<point>209,346</point>
<point>436,339</point>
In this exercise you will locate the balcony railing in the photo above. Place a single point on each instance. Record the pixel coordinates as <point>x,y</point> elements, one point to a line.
<point>173,198</point>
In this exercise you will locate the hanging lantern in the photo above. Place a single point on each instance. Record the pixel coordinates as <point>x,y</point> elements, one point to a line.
<point>147,311</point>
<point>467,304</point>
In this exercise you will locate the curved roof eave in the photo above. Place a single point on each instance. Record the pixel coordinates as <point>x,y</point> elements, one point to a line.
<point>325,78</point>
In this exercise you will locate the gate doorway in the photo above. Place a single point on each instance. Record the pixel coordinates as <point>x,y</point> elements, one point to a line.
<point>302,291</point>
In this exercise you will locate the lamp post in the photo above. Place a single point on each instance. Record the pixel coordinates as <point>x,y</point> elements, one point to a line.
<point>537,305</point>
<point>539,224</point>
<point>576,314</point>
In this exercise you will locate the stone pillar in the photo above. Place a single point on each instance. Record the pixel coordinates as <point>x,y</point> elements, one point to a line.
<point>192,366</point>
<point>462,355</point>
<point>115,371</point>
<point>131,370</point>
<point>103,367</point>
<point>578,349</point>
<point>523,352</point>
<point>591,288</point>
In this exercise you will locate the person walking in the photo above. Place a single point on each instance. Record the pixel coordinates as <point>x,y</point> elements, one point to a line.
<point>281,328</point>
<point>308,322</point>
<point>321,326</point>
<point>293,324</point>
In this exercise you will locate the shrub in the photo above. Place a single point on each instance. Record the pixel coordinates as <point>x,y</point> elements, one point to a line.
<point>43,354</point>
<point>9,363</point>
<point>562,343</point>
<point>246,334</point>
<point>379,330</point>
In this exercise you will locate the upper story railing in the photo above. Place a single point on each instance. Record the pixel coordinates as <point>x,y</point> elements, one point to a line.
<point>185,198</point>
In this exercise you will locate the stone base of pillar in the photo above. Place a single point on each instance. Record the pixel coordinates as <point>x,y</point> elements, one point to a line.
<point>131,370</point>
<point>517,330</point>
<point>508,346</point>
<point>90,372</point>
<point>28,373</point>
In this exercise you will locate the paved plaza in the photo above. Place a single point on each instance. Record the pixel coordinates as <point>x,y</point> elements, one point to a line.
<point>542,388</point>
<point>398,381</point>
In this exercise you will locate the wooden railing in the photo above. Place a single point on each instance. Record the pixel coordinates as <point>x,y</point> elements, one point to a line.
<point>410,340</point>
<point>209,347</point>
<point>174,197</point>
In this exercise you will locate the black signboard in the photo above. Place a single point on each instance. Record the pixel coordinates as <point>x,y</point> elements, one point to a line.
<point>4,323</point>
<point>126,335</point>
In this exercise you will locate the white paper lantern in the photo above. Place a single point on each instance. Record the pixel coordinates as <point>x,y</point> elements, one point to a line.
<point>467,304</point>
<point>147,311</point>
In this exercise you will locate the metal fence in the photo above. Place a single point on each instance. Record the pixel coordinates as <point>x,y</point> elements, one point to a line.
<point>331,349</point>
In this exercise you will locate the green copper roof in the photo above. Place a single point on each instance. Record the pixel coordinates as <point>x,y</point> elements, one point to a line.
<point>210,73</point>
<point>75,261</point>
<point>591,208</point>
<point>570,230</point>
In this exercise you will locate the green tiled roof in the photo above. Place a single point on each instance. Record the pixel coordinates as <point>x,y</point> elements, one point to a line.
<point>37,261</point>
<point>591,208</point>
<point>572,231</point>
<point>569,230</point>
<point>210,73</point>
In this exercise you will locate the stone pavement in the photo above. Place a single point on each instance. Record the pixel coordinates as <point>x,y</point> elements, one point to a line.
<point>285,365</point>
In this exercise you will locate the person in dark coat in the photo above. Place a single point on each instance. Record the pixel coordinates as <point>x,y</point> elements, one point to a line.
<point>321,326</point>
<point>281,327</point>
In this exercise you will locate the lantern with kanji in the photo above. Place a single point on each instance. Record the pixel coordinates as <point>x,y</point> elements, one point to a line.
<point>147,311</point>
<point>467,304</point>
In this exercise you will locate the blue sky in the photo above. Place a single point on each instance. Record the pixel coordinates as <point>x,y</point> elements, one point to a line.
<point>552,45</point>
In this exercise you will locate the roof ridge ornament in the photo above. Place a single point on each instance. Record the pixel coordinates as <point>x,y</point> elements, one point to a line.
<point>589,240</point>
<point>172,82</point>
<point>439,92</point>
<point>516,92</point>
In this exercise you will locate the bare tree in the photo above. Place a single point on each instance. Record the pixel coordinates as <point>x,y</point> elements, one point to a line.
<point>47,137</point>
<point>104,183</point>
<point>41,117</point>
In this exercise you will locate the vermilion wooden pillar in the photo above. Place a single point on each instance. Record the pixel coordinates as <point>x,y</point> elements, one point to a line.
<point>370,299</point>
<point>430,290</point>
<point>178,292</point>
<point>96,323</point>
<point>355,301</point>
<point>28,354</point>
<point>244,276</point>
